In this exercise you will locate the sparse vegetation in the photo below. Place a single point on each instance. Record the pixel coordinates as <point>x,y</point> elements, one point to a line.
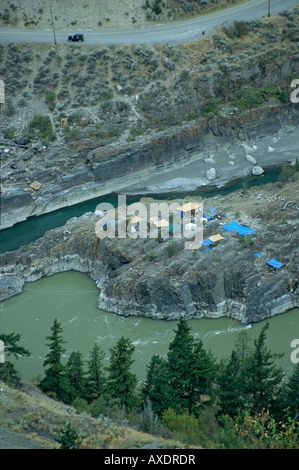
<point>42,127</point>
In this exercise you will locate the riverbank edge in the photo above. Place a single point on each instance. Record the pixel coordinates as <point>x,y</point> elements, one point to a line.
<point>117,167</point>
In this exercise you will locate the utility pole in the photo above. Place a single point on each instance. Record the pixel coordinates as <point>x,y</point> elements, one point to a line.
<point>268,7</point>
<point>2,94</point>
<point>53,26</point>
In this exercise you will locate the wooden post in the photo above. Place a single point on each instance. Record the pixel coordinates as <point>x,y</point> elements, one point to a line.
<point>2,95</point>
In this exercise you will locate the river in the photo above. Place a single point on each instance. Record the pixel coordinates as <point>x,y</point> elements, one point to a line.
<point>71,297</point>
<point>33,228</point>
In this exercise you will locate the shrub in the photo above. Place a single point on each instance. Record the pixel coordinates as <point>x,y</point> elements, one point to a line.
<point>134,132</point>
<point>211,108</point>
<point>9,133</point>
<point>42,126</point>
<point>237,29</point>
<point>185,427</point>
<point>51,100</point>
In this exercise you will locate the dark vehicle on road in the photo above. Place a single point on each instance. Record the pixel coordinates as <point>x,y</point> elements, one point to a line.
<point>76,37</point>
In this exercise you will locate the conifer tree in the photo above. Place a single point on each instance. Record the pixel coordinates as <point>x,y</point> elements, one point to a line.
<point>191,369</point>
<point>261,376</point>
<point>69,438</point>
<point>201,378</point>
<point>8,372</point>
<point>95,379</point>
<point>55,382</point>
<point>121,382</point>
<point>179,361</point>
<point>229,386</point>
<point>291,392</point>
<point>157,387</point>
<point>75,375</point>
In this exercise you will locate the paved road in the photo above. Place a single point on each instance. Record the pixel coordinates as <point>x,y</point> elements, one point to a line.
<point>172,33</point>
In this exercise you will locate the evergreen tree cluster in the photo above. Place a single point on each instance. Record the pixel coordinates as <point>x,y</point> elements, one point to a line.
<point>186,392</point>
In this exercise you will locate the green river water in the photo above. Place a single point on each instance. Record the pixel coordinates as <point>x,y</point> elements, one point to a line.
<point>71,297</point>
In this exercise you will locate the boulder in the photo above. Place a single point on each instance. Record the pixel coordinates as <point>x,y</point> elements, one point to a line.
<point>35,185</point>
<point>211,174</point>
<point>257,170</point>
<point>251,159</point>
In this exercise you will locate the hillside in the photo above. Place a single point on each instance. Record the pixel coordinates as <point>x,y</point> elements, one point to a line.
<point>95,14</point>
<point>117,95</point>
<point>30,419</point>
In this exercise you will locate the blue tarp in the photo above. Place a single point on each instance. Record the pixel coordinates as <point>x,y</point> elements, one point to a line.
<point>274,263</point>
<point>207,249</point>
<point>239,228</point>
<point>210,214</point>
<point>207,242</point>
<point>257,254</point>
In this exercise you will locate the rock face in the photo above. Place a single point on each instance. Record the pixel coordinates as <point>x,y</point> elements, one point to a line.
<point>114,167</point>
<point>162,280</point>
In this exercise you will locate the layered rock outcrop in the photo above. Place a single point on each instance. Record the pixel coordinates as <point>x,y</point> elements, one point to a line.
<point>162,280</point>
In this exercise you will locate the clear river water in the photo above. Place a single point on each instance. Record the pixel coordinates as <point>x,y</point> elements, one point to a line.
<point>71,297</point>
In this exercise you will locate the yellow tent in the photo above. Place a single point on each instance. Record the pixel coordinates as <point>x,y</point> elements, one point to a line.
<point>161,223</point>
<point>216,238</point>
<point>189,206</point>
<point>135,219</point>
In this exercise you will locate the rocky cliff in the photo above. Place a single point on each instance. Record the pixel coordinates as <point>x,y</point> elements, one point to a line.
<point>162,280</point>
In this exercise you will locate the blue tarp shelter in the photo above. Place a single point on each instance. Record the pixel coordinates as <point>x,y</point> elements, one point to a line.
<point>238,228</point>
<point>257,254</point>
<point>207,242</point>
<point>274,263</point>
<point>210,214</point>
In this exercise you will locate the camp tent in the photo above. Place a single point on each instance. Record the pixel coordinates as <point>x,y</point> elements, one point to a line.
<point>216,238</point>
<point>274,263</point>
<point>188,207</point>
<point>238,228</point>
<point>135,219</point>
<point>210,214</point>
<point>161,223</point>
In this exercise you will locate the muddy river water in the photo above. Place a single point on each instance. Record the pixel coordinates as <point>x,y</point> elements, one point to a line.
<point>71,297</point>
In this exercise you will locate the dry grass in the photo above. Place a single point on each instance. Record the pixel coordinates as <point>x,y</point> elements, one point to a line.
<point>41,419</point>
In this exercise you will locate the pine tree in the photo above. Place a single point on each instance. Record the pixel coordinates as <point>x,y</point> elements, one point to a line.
<point>230,392</point>
<point>69,438</point>
<point>291,392</point>
<point>242,346</point>
<point>8,372</point>
<point>75,375</point>
<point>95,379</point>
<point>55,382</point>
<point>157,387</point>
<point>201,377</point>
<point>179,361</point>
<point>121,382</point>
<point>261,376</point>
<point>191,369</point>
